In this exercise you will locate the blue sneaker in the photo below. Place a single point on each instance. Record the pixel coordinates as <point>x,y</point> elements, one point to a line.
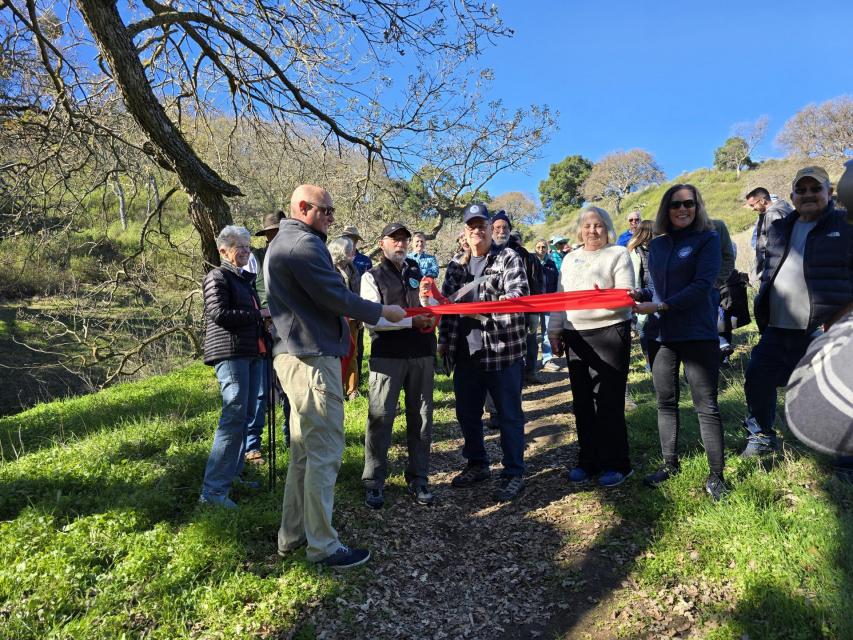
<point>577,475</point>
<point>217,501</point>
<point>613,478</point>
<point>374,498</point>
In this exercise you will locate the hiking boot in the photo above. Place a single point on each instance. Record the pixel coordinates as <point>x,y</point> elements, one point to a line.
<point>760,445</point>
<point>217,501</point>
<point>420,493</point>
<point>374,498</point>
<point>471,475</point>
<point>288,550</point>
<point>663,474</point>
<point>508,488</point>
<point>345,558</point>
<point>613,478</point>
<point>531,378</point>
<point>577,475</point>
<point>716,487</point>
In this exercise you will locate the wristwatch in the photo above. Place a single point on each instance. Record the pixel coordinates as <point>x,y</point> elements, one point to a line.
<point>660,307</point>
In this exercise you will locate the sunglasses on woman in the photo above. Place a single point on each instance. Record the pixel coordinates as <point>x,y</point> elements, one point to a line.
<point>675,205</point>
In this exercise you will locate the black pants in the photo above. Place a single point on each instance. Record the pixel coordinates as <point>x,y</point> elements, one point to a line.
<point>701,360</point>
<point>598,371</point>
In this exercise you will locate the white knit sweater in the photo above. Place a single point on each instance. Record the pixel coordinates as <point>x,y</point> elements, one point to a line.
<point>609,268</point>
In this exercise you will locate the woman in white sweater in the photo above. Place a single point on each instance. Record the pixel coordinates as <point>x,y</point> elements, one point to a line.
<point>598,346</point>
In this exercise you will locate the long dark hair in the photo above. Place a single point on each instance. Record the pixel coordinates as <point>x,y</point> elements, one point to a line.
<point>700,223</point>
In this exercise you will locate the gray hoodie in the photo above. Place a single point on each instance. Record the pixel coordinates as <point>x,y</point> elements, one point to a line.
<point>307,296</point>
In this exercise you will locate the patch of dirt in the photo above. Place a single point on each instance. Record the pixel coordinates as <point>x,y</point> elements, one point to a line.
<point>554,563</point>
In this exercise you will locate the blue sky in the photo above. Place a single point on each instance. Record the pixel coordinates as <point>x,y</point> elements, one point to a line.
<point>668,77</point>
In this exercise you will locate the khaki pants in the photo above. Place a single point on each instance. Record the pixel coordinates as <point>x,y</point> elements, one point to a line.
<point>313,386</point>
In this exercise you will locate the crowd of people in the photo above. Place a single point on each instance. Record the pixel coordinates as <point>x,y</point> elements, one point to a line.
<point>296,310</point>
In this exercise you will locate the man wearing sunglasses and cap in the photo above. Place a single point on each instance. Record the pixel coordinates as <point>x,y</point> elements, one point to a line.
<point>807,280</point>
<point>308,301</point>
<point>487,353</point>
<point>402,358</point>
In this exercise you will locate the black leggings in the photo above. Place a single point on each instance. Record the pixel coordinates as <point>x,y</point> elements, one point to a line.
<point>701,360</point>
<point>598,372</point>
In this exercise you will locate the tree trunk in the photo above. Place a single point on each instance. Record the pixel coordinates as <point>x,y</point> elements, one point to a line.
<point>208,210</point>
<point>122,204</point>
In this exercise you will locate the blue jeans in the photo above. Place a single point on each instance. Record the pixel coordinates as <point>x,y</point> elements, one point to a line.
<point>544,321</point>
<point>470,383</point>
<point>772,361</point>
<point>255,428</point>
<point>238,381</point>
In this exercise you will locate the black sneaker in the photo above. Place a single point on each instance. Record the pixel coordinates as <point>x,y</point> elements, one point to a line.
<point>471,475</point>
<point>663,474</point>
<point>421,493</point>
<point>374,498</point>
<point>508,488</point>
<point>715,486</point>
<point>344,558</point>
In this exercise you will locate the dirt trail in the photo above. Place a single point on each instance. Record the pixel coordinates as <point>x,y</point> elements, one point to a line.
<point>551,564</point>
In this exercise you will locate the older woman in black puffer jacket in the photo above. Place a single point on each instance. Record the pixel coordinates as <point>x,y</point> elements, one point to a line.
<point>234,345</point>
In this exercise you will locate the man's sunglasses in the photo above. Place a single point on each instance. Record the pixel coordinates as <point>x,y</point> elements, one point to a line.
<point>674,205</point>
<point>326,211</point>
<point>633,219</point>
<point>800,191</point>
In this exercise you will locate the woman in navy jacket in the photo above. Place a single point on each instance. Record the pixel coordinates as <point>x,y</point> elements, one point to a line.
<point>683,263</point>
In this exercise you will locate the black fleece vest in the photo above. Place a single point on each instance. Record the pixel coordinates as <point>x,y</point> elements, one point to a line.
<point>396,287</point>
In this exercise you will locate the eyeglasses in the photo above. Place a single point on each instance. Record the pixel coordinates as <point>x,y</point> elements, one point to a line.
<point>800,191</point>
<point>326,211</point>
<point>633,219</point>
<point>675,205</point>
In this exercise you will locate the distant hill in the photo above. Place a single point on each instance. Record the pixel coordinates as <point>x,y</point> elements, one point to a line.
<point>722,191</point>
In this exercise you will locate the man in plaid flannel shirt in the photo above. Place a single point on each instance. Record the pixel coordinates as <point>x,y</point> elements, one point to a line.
<point>487,354</point>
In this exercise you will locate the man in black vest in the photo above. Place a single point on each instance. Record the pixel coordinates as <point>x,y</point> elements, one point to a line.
<point>401,357</point>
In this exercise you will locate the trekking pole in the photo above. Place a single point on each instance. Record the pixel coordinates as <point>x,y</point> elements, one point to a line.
<point>271,423</point>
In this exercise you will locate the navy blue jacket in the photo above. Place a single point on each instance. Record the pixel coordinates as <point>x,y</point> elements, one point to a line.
<point>827,265</point>
<point>683,267</point>
<point>550,274</point>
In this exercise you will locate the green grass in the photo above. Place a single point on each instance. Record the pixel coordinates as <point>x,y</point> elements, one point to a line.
<point>101,535</point>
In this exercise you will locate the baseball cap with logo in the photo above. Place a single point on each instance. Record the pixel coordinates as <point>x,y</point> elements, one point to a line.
<point>818,173</point>
<point>393,227</point>
<point>476,210</point>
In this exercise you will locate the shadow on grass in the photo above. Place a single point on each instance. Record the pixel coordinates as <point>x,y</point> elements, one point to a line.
<point>180,395</point>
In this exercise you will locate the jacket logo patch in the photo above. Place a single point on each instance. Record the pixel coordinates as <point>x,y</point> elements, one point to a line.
<point>413,283</point>
<point>684,252</point>
<point>833,234</point>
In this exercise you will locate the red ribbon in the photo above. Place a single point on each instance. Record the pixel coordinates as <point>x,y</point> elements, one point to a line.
<point>546,302</point>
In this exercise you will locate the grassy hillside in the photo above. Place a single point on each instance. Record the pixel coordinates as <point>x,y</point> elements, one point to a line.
<point>723,192</point>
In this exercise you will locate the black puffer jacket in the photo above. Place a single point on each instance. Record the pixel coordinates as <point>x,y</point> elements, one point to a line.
<point>827,263</point>
<point>232,322</point>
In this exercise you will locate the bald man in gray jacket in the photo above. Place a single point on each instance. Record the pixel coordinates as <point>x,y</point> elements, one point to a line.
<point>308,301</point>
